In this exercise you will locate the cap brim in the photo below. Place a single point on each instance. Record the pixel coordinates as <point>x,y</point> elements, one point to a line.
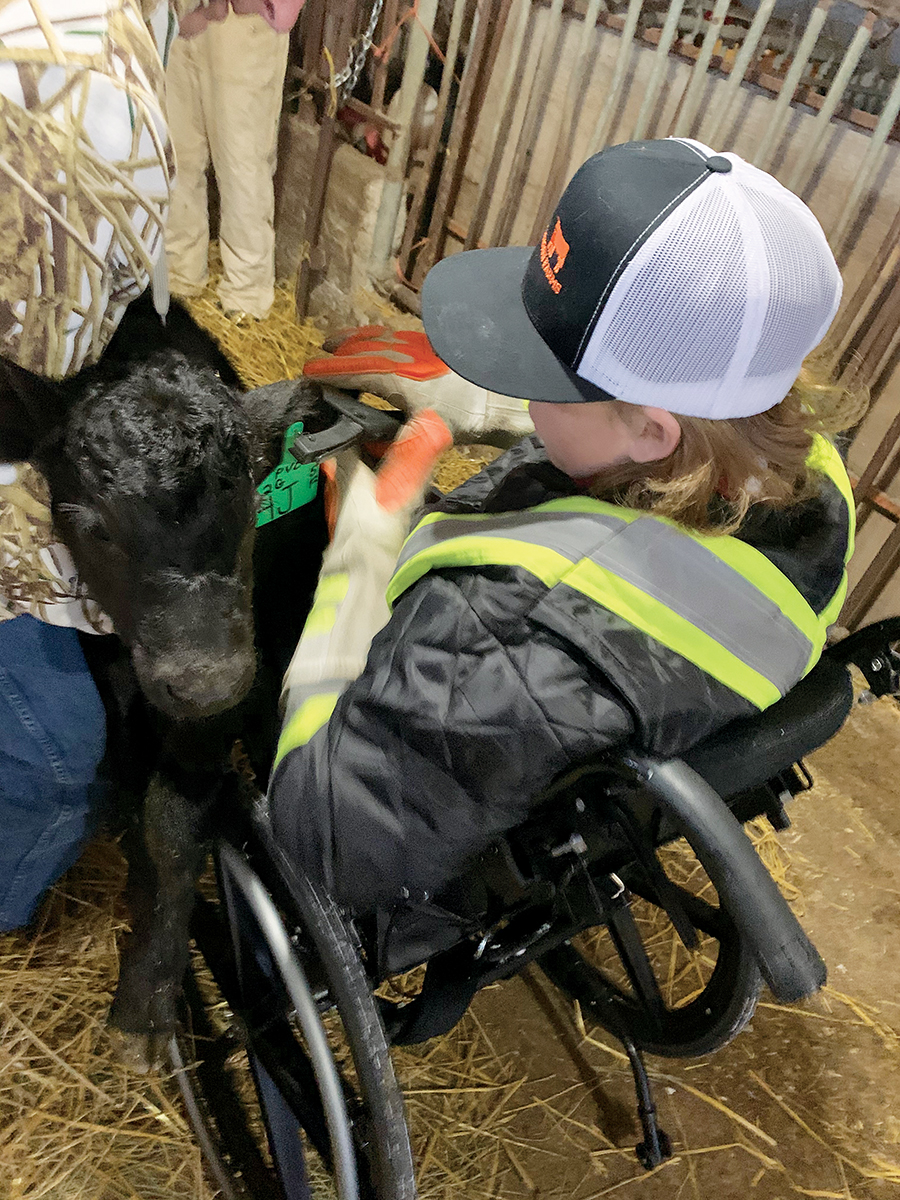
<point>477,324</point>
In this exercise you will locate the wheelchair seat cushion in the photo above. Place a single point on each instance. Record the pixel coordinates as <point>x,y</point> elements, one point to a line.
<point>749,751</point>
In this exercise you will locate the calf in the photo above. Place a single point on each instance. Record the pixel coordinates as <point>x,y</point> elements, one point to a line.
<point>152,458</point>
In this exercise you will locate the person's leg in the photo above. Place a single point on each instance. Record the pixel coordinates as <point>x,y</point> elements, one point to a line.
<point>52,739</point>
<point>247,62</point>
<point>187,227</point>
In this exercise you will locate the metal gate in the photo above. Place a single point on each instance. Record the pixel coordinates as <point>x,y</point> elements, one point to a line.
<point>525,90</point>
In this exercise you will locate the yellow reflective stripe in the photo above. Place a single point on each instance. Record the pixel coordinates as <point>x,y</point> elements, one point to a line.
<point>333,588</point>
<point>832,610</point>
<point>331,591</point>
<point>655,618</point>
<point>473,550</point>
<point>824,457</point>
<point>305,723</point>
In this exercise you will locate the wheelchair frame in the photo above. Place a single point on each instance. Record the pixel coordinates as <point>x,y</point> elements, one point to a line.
<point>288,961</point>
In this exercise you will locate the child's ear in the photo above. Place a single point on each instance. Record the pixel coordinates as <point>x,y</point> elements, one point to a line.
<point>656,436</point>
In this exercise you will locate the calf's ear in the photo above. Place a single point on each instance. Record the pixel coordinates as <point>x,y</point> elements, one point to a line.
<point>271,409</point>
<point>31,410</point>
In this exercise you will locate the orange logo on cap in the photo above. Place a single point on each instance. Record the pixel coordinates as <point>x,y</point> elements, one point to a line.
<point>557,247</point>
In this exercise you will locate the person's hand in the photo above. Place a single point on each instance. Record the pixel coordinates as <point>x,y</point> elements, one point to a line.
<point>373,517</point>
<point>401,367</point>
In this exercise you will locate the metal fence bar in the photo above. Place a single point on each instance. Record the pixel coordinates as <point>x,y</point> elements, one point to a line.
<point>489,30</point>
<point>387,25</point>
<point>782,109</point>
<point>506,107</point>
<point>452,49</point>
<point>559,164</point>
<point>534,113</point>
<point>693,93</point>
<point>658,74</point>
<point>803,168</point>
<point>738,71</point>
<point>623,58</point>
<point>870,165</point>
<point>342,26</point>
<point>852,308</point>
<point>395,172</point>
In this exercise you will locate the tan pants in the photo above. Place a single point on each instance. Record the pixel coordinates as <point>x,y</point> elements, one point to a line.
<point>224,90</point>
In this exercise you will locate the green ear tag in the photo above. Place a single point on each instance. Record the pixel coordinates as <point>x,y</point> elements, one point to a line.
<point>290,485</point>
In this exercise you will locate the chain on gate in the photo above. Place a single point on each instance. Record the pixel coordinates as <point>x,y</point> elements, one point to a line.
<point>345,81</point>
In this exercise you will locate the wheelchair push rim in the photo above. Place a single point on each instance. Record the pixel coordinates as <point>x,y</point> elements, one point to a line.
<point>639,1011</point>
<point>351,1111</point>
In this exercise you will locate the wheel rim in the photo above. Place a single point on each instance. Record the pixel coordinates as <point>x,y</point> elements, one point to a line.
<point>638,981</point>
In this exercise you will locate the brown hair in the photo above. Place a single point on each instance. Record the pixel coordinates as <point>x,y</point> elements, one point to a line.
<point>719,469</point>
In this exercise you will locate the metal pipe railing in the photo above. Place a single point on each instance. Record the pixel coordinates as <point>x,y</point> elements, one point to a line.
<point>658,73</point>
<point>506,107</point>
<point>814,138</point>
<point>623,58</point>
<point>693,93</point>
<point>781,112</point>
<point>719,124</point>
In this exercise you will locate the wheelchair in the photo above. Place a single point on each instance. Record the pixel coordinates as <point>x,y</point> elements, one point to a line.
<point>283,1054</point>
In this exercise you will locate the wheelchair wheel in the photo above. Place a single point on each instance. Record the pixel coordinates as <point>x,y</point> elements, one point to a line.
<point>282,1057</point>
<point>638,981</point>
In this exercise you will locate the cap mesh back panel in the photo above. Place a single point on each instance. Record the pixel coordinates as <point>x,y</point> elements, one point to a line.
<point>680,318</point>
<point>801,285</point>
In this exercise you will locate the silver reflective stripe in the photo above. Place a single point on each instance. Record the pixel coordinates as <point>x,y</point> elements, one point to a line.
<point>660,560</point>
<point>573,535</point>
<point>693,582</point>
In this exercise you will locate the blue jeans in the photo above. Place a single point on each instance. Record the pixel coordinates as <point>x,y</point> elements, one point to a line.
<point>52,738</point>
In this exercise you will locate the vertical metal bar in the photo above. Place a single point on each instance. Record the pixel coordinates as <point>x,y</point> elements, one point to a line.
<point>313,18</point>
<point>814,138</point>
<point>730,92</point>
<point>856,348</point>
<point>491,23</point>
<point>452,48</point>
<point>322,169</point>
<point>528,134</point>
<point>870,164</point>
<point>559,164</point>
<point>623,58</point>
<point>693,93</point>
<point>884,335</point>
<point>781,112</point>
<point>890,248</point>
<point>658,73</point>
<point>388,21</point>
<point>866,485</point>
<point>873,582</point>
<point>395,172</point>
<point>505,110</point>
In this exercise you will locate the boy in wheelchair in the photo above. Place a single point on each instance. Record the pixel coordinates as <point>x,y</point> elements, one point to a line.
<point>584,649</point>
<point>663,556</point>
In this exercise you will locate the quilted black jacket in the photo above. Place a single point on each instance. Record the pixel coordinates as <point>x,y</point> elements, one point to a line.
<point>485,685</point>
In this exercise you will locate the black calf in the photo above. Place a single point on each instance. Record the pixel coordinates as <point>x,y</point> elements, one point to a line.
<point>153,457</point>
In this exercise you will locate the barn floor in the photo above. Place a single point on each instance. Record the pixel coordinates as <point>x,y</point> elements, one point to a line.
<point>518,1102</point>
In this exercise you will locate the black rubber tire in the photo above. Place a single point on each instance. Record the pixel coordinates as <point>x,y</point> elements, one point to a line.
<point>703,1025</point>
<point>234,1147</point>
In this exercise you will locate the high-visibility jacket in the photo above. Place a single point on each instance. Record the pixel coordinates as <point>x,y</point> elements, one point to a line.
<point>532,627</point>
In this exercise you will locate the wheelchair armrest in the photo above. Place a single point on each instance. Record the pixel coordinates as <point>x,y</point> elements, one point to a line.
<point>872,650</point>
<point>789,962</point>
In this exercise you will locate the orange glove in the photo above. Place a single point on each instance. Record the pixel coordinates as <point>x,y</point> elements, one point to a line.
<point>402,368</point>
<point>374,509</point>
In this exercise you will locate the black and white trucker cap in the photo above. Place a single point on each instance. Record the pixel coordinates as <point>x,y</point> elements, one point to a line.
<point>669,275</point>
